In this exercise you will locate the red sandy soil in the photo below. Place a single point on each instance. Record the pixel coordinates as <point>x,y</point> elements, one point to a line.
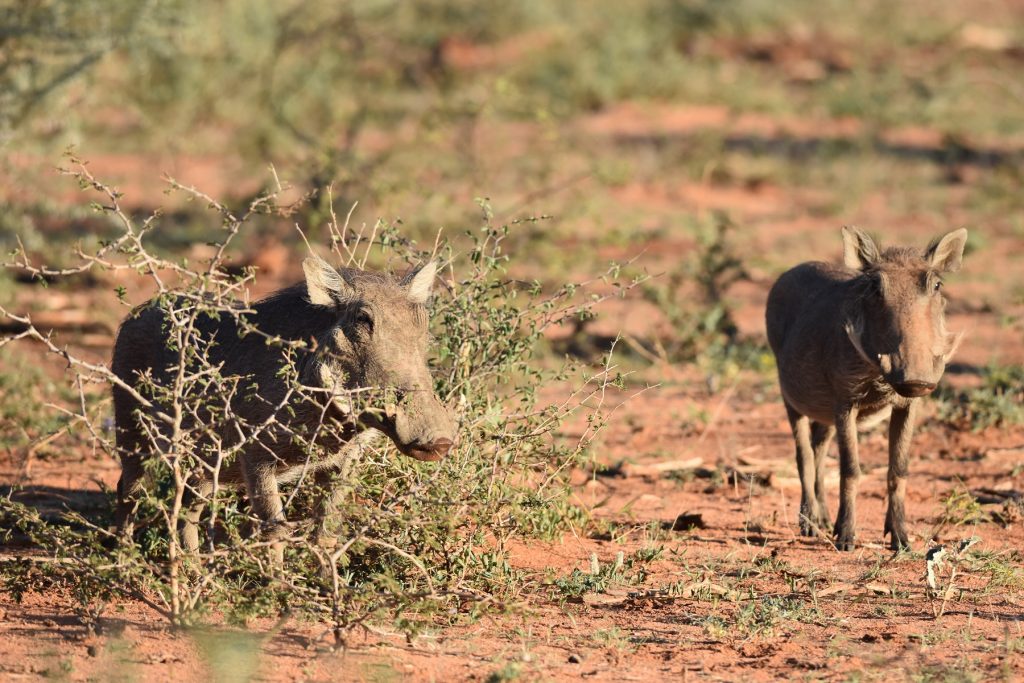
<point>872,620</point>
<point>874,615</point>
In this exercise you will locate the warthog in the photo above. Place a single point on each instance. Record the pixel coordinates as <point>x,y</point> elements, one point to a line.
<point>855,344</point>
<point>363,330</point>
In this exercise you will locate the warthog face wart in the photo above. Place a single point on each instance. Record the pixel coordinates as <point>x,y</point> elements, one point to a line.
<point>379,341</point>
<point>897,323</point>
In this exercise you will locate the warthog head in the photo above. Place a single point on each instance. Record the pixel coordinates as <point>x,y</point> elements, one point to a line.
<point>379,341</point>
<point>898,322</point>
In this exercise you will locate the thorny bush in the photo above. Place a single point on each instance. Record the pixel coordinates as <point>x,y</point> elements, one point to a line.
<point>415,541</point>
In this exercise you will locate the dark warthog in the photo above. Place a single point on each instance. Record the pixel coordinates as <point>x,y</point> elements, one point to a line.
<point>853,344</point>
<point>362,329</point>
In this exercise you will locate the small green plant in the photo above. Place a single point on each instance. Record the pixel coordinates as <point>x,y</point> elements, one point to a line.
<point>960,507</point>
<point>25,421</point>
<point>1003,568</point>
<point>512,671</point>
<point>707,329</point>
<point>763,616</point>
<point>578,582</point>
<point>998,401</point>
<point>649,554</point>
<point>622,571</point>
<point>715,626</point>
<point>614,638</point>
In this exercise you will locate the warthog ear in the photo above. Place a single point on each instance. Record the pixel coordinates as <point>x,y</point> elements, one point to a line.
<point>947,253</point>
<point>859,250</point>
<point>323,283</point>
<point>420,282</point>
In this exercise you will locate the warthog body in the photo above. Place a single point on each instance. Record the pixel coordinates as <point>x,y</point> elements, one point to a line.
<point>362,329</point>
<point>853,344</point>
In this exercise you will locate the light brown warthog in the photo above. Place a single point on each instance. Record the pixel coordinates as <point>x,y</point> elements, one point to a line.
<point>363,329</point>
<point>852,344</point>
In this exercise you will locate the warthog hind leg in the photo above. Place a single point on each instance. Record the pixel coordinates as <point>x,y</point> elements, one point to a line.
<point>821,440</point>
<point>811,514</point>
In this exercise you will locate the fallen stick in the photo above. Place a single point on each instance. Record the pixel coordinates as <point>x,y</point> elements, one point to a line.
<point>657,469</point>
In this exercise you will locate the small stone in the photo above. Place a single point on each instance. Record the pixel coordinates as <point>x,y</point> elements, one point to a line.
<point>686,522</point>
<point>575,659</point>
<point>91,650</point>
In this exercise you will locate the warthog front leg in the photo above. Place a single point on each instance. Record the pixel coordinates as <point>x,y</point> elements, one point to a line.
<point>128,488</point>
<point>193,503</point>
<point>333,484</point>
<point>849,474</point>
<point>265,500</point>
<point>901,431</point>
<point>330,491</point>
<point>130,484</point>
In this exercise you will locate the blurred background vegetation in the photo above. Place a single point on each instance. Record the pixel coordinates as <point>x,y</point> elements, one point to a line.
<point>639,127</point>
<point>328,90</point>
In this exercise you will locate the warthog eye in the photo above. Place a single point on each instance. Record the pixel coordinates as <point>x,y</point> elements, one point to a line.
<point>364,319</point>
<point>937,285</point>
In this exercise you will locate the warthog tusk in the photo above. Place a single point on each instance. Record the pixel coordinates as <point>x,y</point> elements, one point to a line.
<point>338,395</point>
<point>953,346</point>
<point>853,332</point>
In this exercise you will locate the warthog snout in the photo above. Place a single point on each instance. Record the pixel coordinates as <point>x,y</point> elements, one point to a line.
<point>902,378</point>
<point>418,424</point>
<point>913,388</point>
<point>435,450</point>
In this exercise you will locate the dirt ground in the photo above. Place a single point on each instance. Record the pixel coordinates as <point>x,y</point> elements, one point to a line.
<point>818,614</point>
<point>870,616</point>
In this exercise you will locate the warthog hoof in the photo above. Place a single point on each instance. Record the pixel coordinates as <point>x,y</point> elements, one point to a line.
<point>276,530</point>
<point>898,537</point>
<point>814,523</point>
<point>897,543</point>
<point>845,541</point>
<point>809,527</point>
<point>844,536</point>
